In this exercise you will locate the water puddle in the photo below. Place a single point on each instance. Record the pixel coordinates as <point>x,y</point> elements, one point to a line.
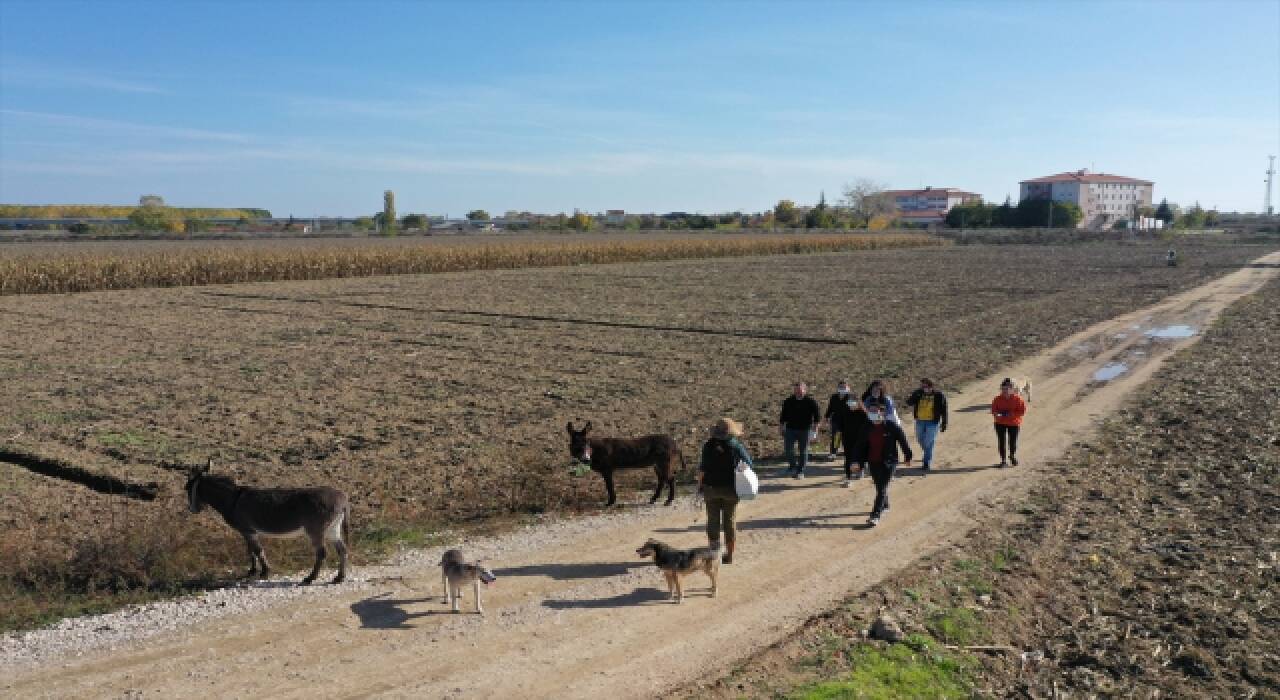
<point>1110,371</point>
<point>1177,331</point>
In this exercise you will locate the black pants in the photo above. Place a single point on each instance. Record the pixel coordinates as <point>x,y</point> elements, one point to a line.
<point>882,474</point>
<point>854,451</point>
<point>1012,432</point>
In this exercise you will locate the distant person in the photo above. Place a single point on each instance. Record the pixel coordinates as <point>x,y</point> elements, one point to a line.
<point>835,406</point>
<point>855,424</point>
<point>1171,258</point>
<point>721,454</point>
<point>883,440</point>
<point>878,392</point>
<point>1008,409</point>
<point>797,423</point>
<point>929,407</point>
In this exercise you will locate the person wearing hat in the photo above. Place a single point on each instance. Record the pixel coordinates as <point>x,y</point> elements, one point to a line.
<point>1008,409</point>
<point>721,455</point>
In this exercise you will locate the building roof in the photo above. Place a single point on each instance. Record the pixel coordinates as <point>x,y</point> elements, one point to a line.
<point>950,191</point>
<point>1083,175</point>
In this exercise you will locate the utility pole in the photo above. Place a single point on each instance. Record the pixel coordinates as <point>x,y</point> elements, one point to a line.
<point>1271,173</point>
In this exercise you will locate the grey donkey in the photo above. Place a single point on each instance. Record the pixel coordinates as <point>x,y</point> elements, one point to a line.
<point>321,513</point>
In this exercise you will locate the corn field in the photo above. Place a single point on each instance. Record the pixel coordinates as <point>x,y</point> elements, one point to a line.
<point>63,272</point>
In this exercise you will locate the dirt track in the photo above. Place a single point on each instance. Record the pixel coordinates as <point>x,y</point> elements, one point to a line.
<point>584,618</point>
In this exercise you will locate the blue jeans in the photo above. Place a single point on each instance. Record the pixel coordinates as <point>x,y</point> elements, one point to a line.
<point>926,435</point>
<point>790,438</point>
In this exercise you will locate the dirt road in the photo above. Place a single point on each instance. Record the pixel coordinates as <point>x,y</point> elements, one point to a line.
<point>576,614</point>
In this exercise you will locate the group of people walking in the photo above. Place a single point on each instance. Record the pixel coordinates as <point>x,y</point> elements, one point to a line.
<point>866,427</point>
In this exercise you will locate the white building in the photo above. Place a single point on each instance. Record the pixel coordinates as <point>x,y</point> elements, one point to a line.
<point>929,205</point>
<point>1104,199</point>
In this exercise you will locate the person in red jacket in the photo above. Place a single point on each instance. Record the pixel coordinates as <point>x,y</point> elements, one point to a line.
<point>1008,409</point>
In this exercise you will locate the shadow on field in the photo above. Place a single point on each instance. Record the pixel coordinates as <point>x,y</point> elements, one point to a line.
<point>640,596</point>
<point>382,613</point>
<point>569,572</point>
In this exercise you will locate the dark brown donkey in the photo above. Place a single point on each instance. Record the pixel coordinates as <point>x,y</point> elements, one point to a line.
<point>607,454</point>
<point>321,513</point>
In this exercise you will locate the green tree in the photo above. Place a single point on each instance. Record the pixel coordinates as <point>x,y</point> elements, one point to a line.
<point>478,215</point>
<point>784,212</point>
<point>412,221</point>
<point>1164,212</point>
<point>389,212</point>
<point>819,216</point>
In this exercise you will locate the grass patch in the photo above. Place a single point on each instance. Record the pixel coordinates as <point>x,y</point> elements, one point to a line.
<point>915,668</point>
<point>126,438</point>
<point>955,625</point>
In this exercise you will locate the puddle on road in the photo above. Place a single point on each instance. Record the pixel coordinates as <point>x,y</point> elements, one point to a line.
<point>1177,331</point>
<point>1110,371</point>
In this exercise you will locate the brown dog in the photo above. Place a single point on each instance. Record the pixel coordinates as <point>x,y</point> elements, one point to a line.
<point>676,563</point>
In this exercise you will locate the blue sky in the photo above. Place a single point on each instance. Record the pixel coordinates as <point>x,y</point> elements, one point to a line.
<point>314,108</point>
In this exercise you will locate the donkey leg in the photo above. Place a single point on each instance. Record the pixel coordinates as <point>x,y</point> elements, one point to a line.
<point>475,587</point>
<point>318,543</point>
<point>661,482</point>
<point>250,542</point>
<point>608,485</point>
<point>671,487</point>
<point>341,548</point>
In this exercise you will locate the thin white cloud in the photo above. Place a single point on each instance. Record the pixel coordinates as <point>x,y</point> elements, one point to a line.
<point>96,124</point>
<point>17,73</point>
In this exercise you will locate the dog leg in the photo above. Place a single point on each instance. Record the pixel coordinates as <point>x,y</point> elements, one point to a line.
<point>671,586</point>
<point>475,588</point>
<point>457,598</point>
<point>715,585</point>
<point>679,590</point>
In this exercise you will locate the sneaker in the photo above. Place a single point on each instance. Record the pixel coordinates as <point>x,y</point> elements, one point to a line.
<point>1002,464</point>
<point>1014,461</point>
<point>886,507</point>
<point>831,456</point>
<point>857,474</point>
<point>727,558</point>
<point>873,520</point>
<point>798,475</point>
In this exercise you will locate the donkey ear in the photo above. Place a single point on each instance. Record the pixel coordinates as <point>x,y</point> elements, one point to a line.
<point>586,428</point>
<point>569,427</point>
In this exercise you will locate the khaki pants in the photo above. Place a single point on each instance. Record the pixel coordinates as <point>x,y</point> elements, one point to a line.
<point>722,504</point>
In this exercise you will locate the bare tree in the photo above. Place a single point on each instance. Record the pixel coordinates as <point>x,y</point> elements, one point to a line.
<point>867,198</point>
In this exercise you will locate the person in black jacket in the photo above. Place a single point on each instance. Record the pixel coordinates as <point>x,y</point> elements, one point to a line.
<point>929,407</point>
<point>721,455</point>
<point>855,424</point>
<point>883,440</point>
<point>800,417</point>
<point>835,406</point>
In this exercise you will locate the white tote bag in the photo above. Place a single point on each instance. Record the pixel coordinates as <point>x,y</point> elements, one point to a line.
<point>745,482</point>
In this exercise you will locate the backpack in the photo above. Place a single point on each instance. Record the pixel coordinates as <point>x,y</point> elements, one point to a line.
<point>721,463</point>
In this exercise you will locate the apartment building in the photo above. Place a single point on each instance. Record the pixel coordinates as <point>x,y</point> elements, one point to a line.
<point>929,205</point>
<point>1103,198</point>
